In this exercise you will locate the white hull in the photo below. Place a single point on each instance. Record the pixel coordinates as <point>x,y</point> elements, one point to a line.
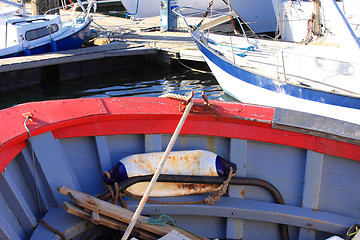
<point>248,93</point>
<point>151,8</point>
<point>258,14</point>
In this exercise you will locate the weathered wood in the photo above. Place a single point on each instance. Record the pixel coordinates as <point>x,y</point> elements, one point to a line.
<point>76,55</point>
<point>108,222</point>
<point>95,218</point>
<point>116,212</point>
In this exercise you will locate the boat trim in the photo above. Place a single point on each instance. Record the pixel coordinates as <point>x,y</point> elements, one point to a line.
<point>96,117</point>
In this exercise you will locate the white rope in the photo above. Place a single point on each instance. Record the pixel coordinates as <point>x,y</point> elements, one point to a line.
<point>157,172</point>
<point>174,96</point>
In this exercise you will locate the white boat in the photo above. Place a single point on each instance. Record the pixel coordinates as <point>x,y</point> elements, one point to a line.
<point>259,17</point>
<point>256,15</point>
<point>351,10</point>
<point>319,75</point>
<point>293,16</point>
<point>28,35</point>
<point>151,8</point>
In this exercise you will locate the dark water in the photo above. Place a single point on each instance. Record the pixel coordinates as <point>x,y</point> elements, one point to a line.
<point>149,80</point>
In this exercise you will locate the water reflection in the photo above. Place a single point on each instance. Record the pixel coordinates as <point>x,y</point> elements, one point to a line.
<point>148,81</point>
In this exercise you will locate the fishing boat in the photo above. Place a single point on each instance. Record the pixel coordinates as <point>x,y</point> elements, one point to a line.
<point>296,173</point>
<point>318,74</point>
<point>28,35</point>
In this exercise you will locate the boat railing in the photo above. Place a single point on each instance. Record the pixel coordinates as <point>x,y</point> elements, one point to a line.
<point>20,5</point>
<point>91,4</point>
<point>228,16</point>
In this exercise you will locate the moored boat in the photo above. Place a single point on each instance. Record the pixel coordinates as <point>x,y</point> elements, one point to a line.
<point>318,74</point>
<point>151,8</point>
<point>29,35</point>
<point>308,161</point>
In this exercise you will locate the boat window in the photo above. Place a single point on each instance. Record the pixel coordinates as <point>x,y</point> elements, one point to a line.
<point>41,32</point>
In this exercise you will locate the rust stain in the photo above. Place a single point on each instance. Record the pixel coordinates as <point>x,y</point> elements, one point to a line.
<point>173,189</point>
<point>211,144</point>
<point>242,192</point>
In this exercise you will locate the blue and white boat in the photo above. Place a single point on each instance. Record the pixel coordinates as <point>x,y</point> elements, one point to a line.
<point>28,35</point>
<point>319,74</point>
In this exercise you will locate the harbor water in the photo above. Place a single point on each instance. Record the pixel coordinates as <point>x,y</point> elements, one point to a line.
<point>149,80</point>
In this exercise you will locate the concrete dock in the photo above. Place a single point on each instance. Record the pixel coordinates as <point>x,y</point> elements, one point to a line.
<point>119,43</point>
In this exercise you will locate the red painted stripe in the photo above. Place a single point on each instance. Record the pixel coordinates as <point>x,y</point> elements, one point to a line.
<point>9,153</point>
<point>110,116</point>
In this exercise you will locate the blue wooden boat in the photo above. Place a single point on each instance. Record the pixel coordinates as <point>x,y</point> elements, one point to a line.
<point>297,173</point>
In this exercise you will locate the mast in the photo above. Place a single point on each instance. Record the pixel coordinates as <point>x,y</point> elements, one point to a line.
<point>317,24</point>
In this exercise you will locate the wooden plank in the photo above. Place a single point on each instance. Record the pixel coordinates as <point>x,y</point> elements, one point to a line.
<point>28,172</point>
<point>116,212</point>
<point>316,125</point>
<point>130,52</point>
<point>103,153</point>
<point>78,55</point>
<point>17,202</point>
<point>6,231</point>
<point>95,218</point>
<point>69,225</point>
<point>238,155</point>
<point>54,164</point>
<point>108,222</point>
<point>173,235</point>
<point>260,211</point>
<point>152,143</point>
<point>312,185</point>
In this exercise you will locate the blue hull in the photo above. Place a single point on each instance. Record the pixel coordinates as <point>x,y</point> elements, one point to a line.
<point>269,84</point>
<point>73,41</point>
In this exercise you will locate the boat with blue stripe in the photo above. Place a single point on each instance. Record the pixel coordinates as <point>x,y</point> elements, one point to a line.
<point>318,74</point>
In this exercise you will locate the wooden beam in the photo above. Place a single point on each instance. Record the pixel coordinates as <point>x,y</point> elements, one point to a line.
<point>108,222</point>
<point>118,213</point>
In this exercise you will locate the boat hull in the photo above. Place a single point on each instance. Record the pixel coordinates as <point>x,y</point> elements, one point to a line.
<point>63,42</point>
<point>73,141</point>
<point>151,8</point>
<point>250,87</point>
<point>258,14</point>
